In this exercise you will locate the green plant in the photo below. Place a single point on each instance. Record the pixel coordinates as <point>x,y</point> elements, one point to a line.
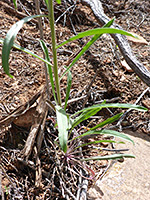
<point>70,142</point>
<point>6,190</point>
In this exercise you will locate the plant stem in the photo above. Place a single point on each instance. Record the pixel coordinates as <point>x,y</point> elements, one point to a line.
<point>53,36</point>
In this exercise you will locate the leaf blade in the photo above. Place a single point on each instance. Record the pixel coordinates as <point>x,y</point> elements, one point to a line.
<point>85,115</point>
<point>16,46</point>
<point>15,3</point>
<point>107,132</point>
<point>113,105</point>
<point>63,126</point>
<point>86,47</point>
<point>109,157</point>
<point>97,142</point>
<point>9,41</point>
<point>107,121</point>
<point>95,32</point>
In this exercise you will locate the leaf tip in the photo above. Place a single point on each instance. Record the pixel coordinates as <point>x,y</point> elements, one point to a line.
<point>11,76</point>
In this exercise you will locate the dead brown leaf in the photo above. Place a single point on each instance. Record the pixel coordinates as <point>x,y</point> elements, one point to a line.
<point>126,66</point>
<point>139,40</point>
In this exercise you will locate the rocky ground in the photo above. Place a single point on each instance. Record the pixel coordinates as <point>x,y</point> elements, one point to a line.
<point>127,180</point>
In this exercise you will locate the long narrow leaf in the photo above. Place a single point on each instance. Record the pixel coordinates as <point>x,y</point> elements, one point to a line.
<point>85,115</point>
<point>107,121</point>
<point>9,40</point>
<point>16,46</point>
<point>96,31</point>
<point>86,47</point>
<point>109,157</point>
<point>45,50</point>
<point>63,126</point>
<point>107,132</point>
<point>97,142</point>
<point>113,105</point>
<point>69,82</point>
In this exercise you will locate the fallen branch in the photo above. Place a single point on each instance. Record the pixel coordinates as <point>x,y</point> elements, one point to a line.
<point>37,127</point>
<point>121,41</point>
<point>21,110</point>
